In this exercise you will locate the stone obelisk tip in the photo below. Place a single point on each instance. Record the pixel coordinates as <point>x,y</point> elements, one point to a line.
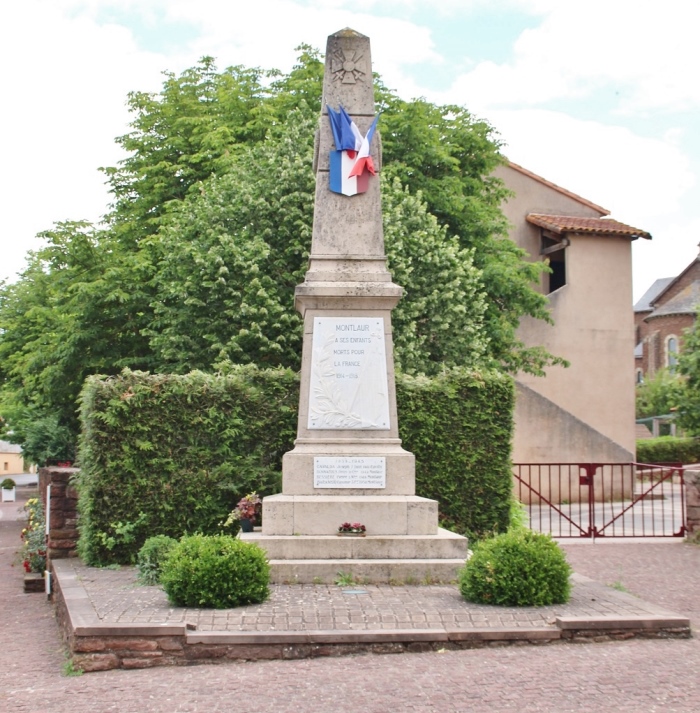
<point>348,75</point>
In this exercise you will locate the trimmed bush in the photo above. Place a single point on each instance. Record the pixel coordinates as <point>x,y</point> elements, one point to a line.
<point>459,425</point>
<point>151,557</point>
<point>8,484</point>
<point>668,449</point>
<point>173,454</point>
<point>215,571</point>
<point>518,568</point>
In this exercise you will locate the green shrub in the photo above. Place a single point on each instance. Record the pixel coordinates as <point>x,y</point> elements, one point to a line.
<point>518,568</point>
<point>7,484</point>
<point>173,454</point>
<point>668,449</point>
<point>519,515</point>
<point>459,425</point>
<point>215,571</point>
<point>151,557</point>
<point>33,551</point>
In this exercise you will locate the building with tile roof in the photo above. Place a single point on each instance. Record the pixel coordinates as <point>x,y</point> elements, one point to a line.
<point>11,461</point>
<point>583,413</point>
<point>661,316</point>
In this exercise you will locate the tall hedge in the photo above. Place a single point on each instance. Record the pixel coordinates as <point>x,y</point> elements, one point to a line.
<point>170,455</point>
<point>460,426</point>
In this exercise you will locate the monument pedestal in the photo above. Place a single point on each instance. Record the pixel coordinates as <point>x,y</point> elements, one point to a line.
<point>348,464</point>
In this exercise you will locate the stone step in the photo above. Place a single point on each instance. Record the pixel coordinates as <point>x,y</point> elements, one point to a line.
<point>368,571</point>
<point>444,545</point>
<point>322,514</point>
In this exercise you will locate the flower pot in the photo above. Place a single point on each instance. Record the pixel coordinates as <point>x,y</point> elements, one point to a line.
<point>246,525</point>
<point>351,534</point>
<point>9,495</point>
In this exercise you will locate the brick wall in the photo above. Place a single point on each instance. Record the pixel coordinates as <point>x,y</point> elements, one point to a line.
<point>692,273</point>
<point>657,330</point>
<point>62,512</point>
<point>653,333</point>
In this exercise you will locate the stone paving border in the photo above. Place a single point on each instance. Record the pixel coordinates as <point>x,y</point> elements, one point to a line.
<point>119,638</point>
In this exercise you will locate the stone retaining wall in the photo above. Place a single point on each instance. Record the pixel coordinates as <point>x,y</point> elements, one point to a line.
<point>62,513</point>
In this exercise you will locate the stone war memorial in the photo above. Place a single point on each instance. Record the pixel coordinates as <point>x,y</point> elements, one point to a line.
<point>347,465</point>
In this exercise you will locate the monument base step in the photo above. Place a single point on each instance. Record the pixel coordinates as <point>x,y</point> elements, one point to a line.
<point>365,571</point>
<point>316,515</point>
<point>443,545</point>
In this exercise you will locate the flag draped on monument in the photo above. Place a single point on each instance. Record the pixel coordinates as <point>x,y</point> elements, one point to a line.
<point>351,163</point>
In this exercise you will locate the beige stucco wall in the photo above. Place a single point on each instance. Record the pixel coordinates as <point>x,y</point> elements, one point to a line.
<point>593,329</point>
<point>11,464</point>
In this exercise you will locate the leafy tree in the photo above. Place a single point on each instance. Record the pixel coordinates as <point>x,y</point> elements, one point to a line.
<point>448,156</point>
<point>689,368</point>
<point>232,254</point>
<point>210,228</point>
<point>660,394</point>
<point>67,317</point>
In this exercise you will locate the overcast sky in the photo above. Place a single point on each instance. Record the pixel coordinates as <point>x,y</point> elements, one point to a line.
<point>601,97</point>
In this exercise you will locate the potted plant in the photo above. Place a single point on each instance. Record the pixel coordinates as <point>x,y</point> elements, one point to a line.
<point>247,512</point>
<point>8,490</point>
<point>34,546</point>
<point>352,529</point>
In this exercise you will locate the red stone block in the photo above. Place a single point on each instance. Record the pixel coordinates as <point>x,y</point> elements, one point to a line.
<point>95,662</point>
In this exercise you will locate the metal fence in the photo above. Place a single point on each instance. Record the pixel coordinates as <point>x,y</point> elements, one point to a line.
<point>603,499</point>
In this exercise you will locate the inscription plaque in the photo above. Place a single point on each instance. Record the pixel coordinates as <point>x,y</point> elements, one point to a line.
<point>349,472</point>
<point>348,385</point>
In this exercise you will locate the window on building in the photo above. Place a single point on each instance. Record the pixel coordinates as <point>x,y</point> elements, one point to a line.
<point>639,376</point>
<point>554,251</point>
<point>671,352</point>
<point>6,466</point>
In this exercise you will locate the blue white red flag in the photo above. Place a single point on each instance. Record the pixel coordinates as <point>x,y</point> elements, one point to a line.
<point>350,164</point>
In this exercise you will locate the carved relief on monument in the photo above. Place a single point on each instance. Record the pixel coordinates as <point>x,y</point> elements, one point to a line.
<point>348,385</point>
<point>348,68</point>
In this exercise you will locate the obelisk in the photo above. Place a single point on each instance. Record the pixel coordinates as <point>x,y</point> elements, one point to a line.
<point>347,464</point>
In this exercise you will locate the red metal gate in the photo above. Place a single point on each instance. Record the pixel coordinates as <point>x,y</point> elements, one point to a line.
<point>603,499</point>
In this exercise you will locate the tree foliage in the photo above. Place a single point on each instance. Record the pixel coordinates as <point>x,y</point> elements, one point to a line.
<point>660,394</point>
<point>210,229</point>
<point>689,368</point>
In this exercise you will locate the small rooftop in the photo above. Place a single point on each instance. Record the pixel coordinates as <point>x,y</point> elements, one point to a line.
<point>594,226</point>
<point>685,302</point>
<point>7,447</point>
<point>644,304</point>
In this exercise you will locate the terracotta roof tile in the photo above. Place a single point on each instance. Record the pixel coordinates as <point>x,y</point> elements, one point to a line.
<point>572,224</point>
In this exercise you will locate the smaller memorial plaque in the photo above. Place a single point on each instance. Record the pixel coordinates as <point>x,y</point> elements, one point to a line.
<point>349,472</point>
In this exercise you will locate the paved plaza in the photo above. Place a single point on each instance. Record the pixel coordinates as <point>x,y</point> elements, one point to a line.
<point>635,675</point>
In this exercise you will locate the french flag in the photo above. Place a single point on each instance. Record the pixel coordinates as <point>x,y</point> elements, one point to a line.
<point>350,164</point>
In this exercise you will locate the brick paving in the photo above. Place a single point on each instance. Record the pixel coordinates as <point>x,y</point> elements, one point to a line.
<point>637,675</point>
<point>118,599</point>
